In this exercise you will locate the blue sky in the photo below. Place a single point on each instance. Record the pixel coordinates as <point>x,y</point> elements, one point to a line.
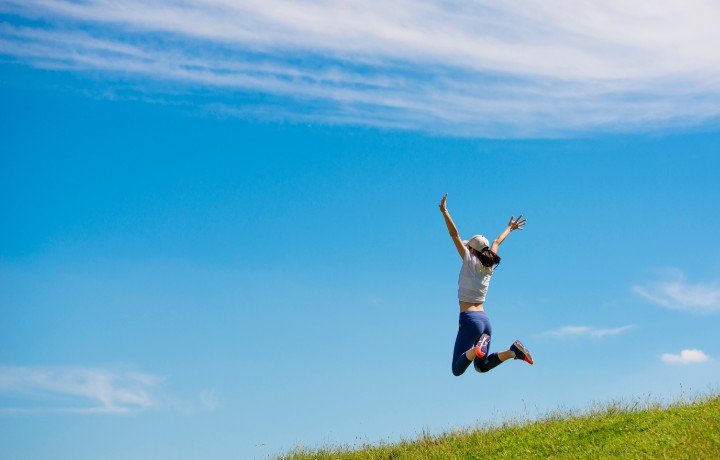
<point>221,236</point>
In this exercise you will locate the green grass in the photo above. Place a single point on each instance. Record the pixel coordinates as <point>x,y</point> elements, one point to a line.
<point>682,430</point>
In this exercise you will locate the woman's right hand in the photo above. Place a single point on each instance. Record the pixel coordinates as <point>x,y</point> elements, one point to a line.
<point>443,207</point>
<point>516,224</point>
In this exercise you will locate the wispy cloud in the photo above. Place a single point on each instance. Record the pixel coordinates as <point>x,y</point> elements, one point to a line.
<point>685,357</point>
<point>209,400</point>
<point>470,68</point>
<point>587,331</point>
<point>673,291</point>
<point>75,389</point>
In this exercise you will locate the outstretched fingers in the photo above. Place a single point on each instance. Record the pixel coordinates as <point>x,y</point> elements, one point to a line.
<point>517,224</point>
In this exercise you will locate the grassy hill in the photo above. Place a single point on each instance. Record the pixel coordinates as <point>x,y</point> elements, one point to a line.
<point>682,430</point>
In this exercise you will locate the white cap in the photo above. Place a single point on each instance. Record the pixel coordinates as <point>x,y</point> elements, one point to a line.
<point>478,242</point>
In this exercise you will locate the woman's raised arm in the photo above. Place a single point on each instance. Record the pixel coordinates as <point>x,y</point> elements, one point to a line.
<point>516,224</point>
<point>452,229</point>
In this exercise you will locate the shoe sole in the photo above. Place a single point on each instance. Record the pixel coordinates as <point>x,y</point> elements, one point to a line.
<point>478,348</point>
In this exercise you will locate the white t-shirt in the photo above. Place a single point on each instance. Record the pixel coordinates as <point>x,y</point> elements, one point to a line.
<point>474,279</point>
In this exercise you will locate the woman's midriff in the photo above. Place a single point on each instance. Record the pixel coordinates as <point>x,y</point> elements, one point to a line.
<point>469,306</point>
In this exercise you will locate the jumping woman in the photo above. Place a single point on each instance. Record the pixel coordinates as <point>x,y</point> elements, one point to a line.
<point>479,260</point>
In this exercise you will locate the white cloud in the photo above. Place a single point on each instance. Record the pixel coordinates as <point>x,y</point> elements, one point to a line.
<point>588,331</point>
<point>676,293</point>
<point>472,68</point>
<point>209,400</point>
<point>75,389</point>
<point>685,357</point>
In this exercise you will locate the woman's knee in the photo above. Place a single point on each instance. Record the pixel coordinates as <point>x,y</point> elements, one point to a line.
<point>481,368</point>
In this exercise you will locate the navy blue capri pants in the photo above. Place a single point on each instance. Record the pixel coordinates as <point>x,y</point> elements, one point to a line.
<point>473,324</point>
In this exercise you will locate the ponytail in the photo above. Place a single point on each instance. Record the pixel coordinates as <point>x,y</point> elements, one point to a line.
<point>487,256</point>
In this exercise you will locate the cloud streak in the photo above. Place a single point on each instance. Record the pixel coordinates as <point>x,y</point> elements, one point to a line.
<point>676,293</point>
<point>467,68</point>
<point>209,400</point>
<point>587,331</point>
<point>692,356</point>
<point>75,389</point>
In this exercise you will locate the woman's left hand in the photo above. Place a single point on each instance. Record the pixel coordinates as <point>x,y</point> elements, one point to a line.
<point>516,224</point>
<point>443,206</point>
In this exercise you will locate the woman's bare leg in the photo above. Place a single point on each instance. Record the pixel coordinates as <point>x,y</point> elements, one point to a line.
<point>503,355</point>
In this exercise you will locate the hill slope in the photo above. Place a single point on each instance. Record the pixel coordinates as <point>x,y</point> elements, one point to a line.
<point>682,430</point>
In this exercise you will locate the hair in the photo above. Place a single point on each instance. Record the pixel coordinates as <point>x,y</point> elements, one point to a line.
<point>487,256</point>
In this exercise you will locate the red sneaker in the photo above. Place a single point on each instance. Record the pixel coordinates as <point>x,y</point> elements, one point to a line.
<point>521,352</point>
